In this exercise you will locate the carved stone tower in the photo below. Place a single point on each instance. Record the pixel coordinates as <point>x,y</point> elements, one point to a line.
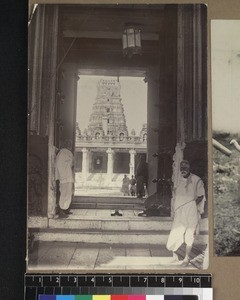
<point>108,118</point>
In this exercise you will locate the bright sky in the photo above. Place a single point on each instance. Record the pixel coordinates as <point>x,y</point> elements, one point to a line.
<point>225,43</point>
<point>133,94</point>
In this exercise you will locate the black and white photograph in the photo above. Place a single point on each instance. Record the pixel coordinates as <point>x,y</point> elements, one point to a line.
<point>225,45</point>
<point>117,138</point>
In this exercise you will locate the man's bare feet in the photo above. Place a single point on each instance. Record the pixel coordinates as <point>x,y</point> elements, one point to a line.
<point>185,262</point>
<point>175,258</point>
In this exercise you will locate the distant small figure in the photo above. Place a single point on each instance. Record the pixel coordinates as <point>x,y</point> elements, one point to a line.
<point>133,186</point>
<point>145,190</point>
<point>142,177</point>
<point>125,186</point>
<point>125,190</point>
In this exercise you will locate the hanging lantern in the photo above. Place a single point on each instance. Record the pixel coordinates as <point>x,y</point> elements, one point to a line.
<point>131,41</point>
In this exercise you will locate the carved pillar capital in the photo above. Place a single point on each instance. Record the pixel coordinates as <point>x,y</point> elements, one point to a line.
<point>84,150</point>
<point>110,151</point>
<point>132,151</point>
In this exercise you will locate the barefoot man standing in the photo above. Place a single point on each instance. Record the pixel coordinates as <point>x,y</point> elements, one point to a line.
<point>187,206</point>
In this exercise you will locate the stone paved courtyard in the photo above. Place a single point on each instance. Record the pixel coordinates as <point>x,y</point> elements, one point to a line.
<point>55,256</point>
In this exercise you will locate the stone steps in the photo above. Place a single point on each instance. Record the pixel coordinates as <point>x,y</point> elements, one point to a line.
<point>107,199</point>
<point>102,202</point>
<point>114,224</point>
<point>98,226</point>
<point>108,237</point>
<point>101,205</point>
<point>102,220</point>
<point>95,228</point>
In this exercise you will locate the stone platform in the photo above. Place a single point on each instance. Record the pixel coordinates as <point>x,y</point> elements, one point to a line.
<point>98,226</point>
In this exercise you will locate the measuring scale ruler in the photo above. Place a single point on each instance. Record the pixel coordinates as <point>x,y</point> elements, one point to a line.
<point>118,287</point>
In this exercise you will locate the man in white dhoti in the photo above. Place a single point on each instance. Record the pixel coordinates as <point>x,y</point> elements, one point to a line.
<point>187,206</point>
<point>64,173</point>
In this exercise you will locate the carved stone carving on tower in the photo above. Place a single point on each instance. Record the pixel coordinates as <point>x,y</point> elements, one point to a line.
<point>109,88</point>
<point>133,132</point>
<point>143,133</point>
<point>78,131</point>
<point>108,118</point>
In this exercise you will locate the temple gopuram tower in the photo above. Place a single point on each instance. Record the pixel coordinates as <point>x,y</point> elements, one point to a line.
<point>107,117</point>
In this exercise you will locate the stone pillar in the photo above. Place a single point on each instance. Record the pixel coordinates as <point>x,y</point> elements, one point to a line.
<point>153,125</point>
<point>110,165</point>
<point>43,33</point>
<point>191,68</point>
<point>36,68</point>
<point>180,78</point>
<point>84,165</point>
<point>48,97</point>
<point>132,153</point>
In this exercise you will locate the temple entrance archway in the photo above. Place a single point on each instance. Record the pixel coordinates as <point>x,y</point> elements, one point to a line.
<point>67,39</point>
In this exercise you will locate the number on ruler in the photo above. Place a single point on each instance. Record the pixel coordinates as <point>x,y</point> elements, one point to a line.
<point>145,279</point>
<point>180,279</point>
<point>162,279</point>
<point>92,279</point>
<point>110,279</point>
<point>57,279</point>
<point>75,279</point>
<point>39,279</point>
<point>196,280</point>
